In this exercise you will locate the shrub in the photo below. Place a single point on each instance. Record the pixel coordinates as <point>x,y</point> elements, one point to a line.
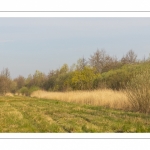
<point>138,91</point>
<point>32,89</point>
<point>28,91</point>
<point>84,79</point>
<point>24,91</point>
<point>117,79</point>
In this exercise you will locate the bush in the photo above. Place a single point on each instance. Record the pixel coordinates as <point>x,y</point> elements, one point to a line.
<point>32,89</point>
<point>27,91</point>
<point>138,91</point>
<point>24,91</point>
<point>117,79</point>
<point>84,79</point>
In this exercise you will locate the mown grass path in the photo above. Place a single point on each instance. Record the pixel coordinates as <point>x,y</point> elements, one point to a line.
<point>30,115</point>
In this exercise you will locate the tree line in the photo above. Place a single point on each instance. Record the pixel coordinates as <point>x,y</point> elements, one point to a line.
<point>100,70</point>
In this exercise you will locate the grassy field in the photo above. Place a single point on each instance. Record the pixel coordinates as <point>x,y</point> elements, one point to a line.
<point>26,114</point>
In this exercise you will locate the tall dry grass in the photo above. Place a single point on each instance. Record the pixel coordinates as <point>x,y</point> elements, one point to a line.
<point>105,97</point>
<point>138,91</point>
<point>9,94</point>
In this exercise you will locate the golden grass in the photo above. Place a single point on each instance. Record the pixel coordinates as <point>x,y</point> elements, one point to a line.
<point>9,94</point>
<point>105,97</point>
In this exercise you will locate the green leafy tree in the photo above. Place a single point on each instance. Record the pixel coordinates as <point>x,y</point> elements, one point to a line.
<point>83,80</point>
<point>64,69</point>
<point>38,78</point>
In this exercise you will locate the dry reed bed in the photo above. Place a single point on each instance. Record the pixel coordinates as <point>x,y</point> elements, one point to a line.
<point>9,94</point>
<point>105,97</point>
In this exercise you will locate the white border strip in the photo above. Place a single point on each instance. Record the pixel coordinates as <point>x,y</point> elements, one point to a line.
<point>75,136</point>
<point>75,5</point>
<point>74,14</point>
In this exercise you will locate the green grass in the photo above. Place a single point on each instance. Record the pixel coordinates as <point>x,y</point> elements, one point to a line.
<point>25,114</point>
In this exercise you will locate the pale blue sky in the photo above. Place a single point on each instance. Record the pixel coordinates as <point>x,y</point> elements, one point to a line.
<point>29,44</point>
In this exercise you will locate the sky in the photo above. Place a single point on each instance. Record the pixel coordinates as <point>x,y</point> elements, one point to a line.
<point>44,44</point>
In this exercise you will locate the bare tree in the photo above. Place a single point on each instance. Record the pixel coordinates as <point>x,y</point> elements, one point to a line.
<point>97,60</point>
<point>102,62</point>
<point>81,64</point>
<point>20,81</point>
<point>110,63</point>
<point>130,58</point>
<point>5,81</point>
<point>5,72</point>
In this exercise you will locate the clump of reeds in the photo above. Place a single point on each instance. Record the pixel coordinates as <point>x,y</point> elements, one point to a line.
<point>9,94</point>
<point>105,97</point>
<point>138,91</point>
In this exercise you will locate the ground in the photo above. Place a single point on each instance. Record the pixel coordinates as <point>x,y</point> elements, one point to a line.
<point>34,115</point>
